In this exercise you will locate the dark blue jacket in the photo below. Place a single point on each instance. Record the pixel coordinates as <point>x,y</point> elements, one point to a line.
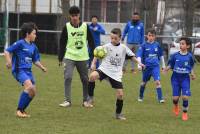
<point>96,34</point>
<point>135,33</point>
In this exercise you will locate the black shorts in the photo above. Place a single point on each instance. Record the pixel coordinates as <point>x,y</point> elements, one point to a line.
<point>115,84</point>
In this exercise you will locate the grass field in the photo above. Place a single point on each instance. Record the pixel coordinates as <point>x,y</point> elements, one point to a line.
<point>47,117</point>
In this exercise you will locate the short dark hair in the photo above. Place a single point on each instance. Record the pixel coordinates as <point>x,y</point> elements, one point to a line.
<point>116,31</point>
<point>152,31</point>
<point>187,40</point>
<point>94,16</point>
<point>136,13</point>
<point>74,10</point>
<point>27,28</point>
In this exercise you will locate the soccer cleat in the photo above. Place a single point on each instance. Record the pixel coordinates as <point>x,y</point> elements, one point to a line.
<point>87,105</point>
<point>65,104</point>
<point>20,114</point>
<point>140,99</point>
<point>161,101</point>
<point>176,110</point>
<point>184,116</point>
<point>26,114</point>
<point>120,117</point>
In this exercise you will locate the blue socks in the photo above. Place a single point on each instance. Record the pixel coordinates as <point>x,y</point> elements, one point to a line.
<point>185,106</point>
<point>24,101</point>
<point>142,88</point>
<point>159,93</point>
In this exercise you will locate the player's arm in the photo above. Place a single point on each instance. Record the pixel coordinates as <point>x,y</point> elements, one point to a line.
<point>125,31</point>
<point>14,47</point>
<point>62,45</point>
<point>101,30</point>
<point>39,65</point>
<point>93,64</point>
<point>90,39</point>
<point>193,76</point>
<point>36,60</point>
<point>8,59</point>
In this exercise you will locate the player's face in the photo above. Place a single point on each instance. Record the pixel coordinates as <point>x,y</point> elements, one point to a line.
<point>94,20</point>
<point>183,46</point>
<point>75,19</point>
<point>115,39</point>
<point>135,17</point>
<point>151,37</point>
<point>32,36</point>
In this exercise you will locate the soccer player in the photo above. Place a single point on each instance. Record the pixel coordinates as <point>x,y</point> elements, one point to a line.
<point>111,68</point>
<point>96,30</point>
<point>75,39</point>
<point>24,52</point>
<point>182,64</point>
<point>150,54</point>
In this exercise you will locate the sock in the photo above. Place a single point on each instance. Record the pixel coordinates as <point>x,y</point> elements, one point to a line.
<point>142,88</point>
<point>29,99</point>
<point>175,102</point>
<point>91,87</point>
<point>185,106</point>
<point>119,105</point>
<point>159,93</point>
<point>24,100</point>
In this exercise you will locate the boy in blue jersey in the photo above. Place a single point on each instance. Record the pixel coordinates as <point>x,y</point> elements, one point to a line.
<point>182,64</point>
<point>150,54</point>
<point>96,30</point>
<point>23,53</point>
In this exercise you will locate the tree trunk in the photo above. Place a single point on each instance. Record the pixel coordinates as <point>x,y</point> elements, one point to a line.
<point>189,14</point>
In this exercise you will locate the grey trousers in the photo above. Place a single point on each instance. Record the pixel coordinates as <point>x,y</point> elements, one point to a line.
<point>132,47</point>
<point>68,72</point>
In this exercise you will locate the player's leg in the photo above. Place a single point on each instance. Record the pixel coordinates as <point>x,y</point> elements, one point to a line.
<point>68,72</point>
<point>97,74</point>
<point>176,92</point>
<point>146,75</point>
<point>83,72</point>
<point>185,96</point>
<point>156,76</point>
<point>27,94</point>
<point>141,92</point>
<point>119,98</point>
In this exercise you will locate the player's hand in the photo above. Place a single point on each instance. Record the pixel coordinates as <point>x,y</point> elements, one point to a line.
<point>95,28</point>
<point>164,70</point>
<point>139,68</point>
<point>193,76</point>
<point>8,65</point>
<point>44,69</point>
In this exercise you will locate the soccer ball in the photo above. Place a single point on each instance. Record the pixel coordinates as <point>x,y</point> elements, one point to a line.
<point>100,52</point>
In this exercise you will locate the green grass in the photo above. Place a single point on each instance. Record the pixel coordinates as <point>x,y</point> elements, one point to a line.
<point>47,117</point>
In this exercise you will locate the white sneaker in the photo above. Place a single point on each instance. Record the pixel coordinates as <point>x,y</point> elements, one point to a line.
<point>140,99</point>
<point>120,117</point>
<point>162,101</point>
<point>87,105</point>
<point>65,104</point>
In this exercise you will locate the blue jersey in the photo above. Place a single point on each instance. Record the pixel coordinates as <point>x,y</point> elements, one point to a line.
<point>96,34</point>
<point>180,63</point>
<point>23,55</point>
<point>150,54</point>
<point>135,33</point>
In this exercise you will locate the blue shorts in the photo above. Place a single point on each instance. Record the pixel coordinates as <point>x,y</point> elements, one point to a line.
<point>22,75</point>
<point>151,71</point>
<point>180,84</point>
